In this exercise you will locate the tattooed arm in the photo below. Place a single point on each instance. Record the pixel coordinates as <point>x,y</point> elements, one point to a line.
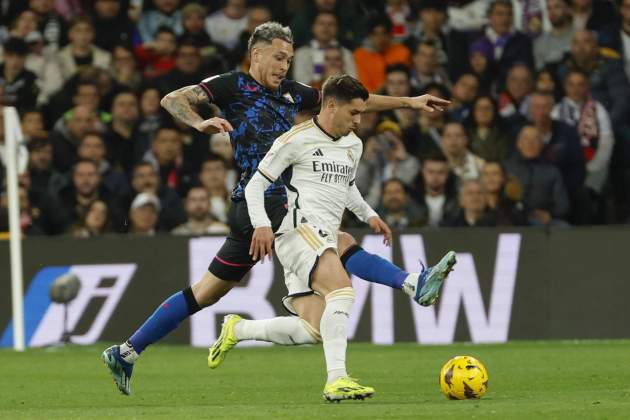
<point>182,103</point>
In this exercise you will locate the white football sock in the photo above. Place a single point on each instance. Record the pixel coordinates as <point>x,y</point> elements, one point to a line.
<point>285,330</point>
<point>128,353</point>
<point>334,331</point>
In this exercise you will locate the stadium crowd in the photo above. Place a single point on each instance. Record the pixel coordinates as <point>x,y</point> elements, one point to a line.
<point>538,132</point>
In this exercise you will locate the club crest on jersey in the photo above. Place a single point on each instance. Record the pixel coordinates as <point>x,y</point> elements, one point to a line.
<point>350,155</point>
<point>288,97</point>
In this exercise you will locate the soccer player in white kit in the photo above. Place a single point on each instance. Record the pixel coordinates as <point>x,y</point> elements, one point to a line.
<point>317,160</point>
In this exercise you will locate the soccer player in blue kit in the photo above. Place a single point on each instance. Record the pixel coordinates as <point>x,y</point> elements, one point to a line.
<point>259,106</point>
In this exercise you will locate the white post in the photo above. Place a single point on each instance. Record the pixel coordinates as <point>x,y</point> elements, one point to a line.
<point>12,139</point>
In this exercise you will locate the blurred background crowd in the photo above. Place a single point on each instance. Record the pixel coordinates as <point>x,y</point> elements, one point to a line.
<point>538,132</point>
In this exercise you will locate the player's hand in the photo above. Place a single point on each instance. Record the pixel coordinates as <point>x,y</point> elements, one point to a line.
<point>262,241</point>
<point>379,226</point>
<point>428,103</point>
<point>214,125</point>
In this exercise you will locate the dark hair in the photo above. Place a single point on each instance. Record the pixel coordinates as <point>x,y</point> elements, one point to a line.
<point>164,29</point>
<point>439,5</point>
<point>496,118</point>
<point>495,3</point>
<point>576,71</point>
<point>15,45</point>
<point>92,133</point>
<point>395,180</point>
<point>344,88</point>
<point>81,160</point>
<point>140,165</point>
<point>79,20</point>
<point>426,42</point>
<point>377,20</point>
<point>269,31</point>
<point>398,68</point>
<point>38,143</point>
<point>499,163</point>
<point>444,92</point>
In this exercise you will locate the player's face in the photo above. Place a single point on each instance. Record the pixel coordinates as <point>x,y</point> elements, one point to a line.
<point>271,62</point>
<point>347,116</point>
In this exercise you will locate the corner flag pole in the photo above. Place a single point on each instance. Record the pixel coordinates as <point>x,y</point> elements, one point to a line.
<point>13,137</point>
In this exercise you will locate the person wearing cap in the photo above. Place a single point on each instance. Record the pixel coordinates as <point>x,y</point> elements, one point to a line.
<point>143,214</point>
<point>18,86</point>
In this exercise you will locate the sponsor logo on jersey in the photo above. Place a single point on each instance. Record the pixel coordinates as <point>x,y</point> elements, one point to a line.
<point>318,152</point>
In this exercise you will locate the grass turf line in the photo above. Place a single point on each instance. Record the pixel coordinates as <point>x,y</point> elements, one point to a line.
<point>583,379</point>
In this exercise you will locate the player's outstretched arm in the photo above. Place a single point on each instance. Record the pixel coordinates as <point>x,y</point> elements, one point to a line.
<point>427,103</point>
<point>182,103</point>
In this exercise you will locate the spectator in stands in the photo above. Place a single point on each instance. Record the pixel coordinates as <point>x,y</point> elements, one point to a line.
<point>462,162</point>
<point>50,24</point>
<point>509,46</point>
<point>85,187</point>
<point>561,146</point>
<point>397,83</point>
<point>32,124</point>
<point>514,100</point>
<point>484,127</point>
<point>42,174</point>
<point>436,191</point>
<point>112,25</point>
<point>544,195</point>
<point>424,137</point>
<point>143,214</point>
<point>309,63</point>
<point>213,56</point>
<point>125,68</point>
<point>81,52</point>
<point>187,69</point>
<point>465,90</point>
<point>66,135</point>
<point>18,86</point>
<point>95,222</point>
<point>481,64</point>
<point>503,195</point>
<point>151,115</point>
<point>617,36</point>
<point>609,84</point>
<point>531,17</point>
<point>220,145</point>
<point>166,14</point>
<point>92,147</point>
<point>213,179</point>
<point>124,146</point>
<point>378,52</point>
<point>350,16</point>
<point>385,157</point>
<point>157,57</point>
<point>546,82</point>
<point>225,26</point>
<point>40,60</point>
<point>397,209</point>
<point>426,66</point>
<point>398,12</point>
<point>552,45</point>
<point>145,179</point>
<point>472,205</point>
<point>28,217</point>
<point>199,220</point>
<point>593,15</point>
<point>451,44</point>
<point>593,125</point>
<point>166,157</point>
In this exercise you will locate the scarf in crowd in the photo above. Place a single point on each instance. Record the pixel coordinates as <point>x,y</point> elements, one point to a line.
<point>584,118</point>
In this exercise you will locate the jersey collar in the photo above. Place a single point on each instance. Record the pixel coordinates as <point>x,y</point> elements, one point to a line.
<point>324,131</point>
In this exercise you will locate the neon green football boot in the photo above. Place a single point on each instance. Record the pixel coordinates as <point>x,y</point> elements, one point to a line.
<point>225,342</point>
<point>346,389</point>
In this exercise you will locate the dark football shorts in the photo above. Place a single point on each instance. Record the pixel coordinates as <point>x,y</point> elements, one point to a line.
<point>233,261</point>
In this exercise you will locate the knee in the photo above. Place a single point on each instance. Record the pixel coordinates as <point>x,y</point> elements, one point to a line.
<point>344,242</point>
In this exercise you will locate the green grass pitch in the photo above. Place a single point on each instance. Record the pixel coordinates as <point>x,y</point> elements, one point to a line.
<point>532,380</point>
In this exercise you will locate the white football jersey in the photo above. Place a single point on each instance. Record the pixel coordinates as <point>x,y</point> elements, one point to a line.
<point>317,170</point>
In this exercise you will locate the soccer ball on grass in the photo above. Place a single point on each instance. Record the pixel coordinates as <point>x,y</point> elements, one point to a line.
<point>463,377</point>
